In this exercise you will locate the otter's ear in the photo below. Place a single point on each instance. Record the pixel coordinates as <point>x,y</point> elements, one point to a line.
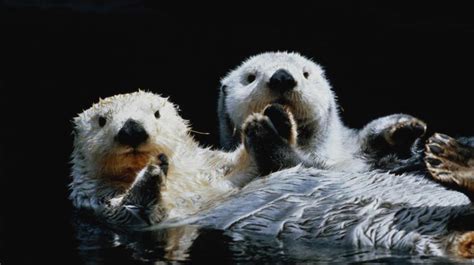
<point>223,90</point>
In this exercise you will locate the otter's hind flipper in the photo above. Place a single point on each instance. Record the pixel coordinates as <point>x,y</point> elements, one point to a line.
<point>451,162</point>
<point>394,134</point>
<point>140,205</point>
<point>270,139</point>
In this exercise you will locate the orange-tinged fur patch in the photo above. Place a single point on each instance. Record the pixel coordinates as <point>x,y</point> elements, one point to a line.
<point>123,168</point>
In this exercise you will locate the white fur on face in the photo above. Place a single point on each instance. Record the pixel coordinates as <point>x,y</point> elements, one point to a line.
<point>95,142</point>
<point>310,100</point>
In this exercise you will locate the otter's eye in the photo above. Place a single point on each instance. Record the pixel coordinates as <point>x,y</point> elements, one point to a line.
<point>250,78</point>
<point>306,74</point>
<point>102,121</point>
<point>157,114</point>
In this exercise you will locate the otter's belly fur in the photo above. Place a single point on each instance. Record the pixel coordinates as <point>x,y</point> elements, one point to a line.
<point>406,212</point>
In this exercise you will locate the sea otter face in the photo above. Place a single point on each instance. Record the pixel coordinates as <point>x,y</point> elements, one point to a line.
<point>277,77</point>
<point>119,135</point>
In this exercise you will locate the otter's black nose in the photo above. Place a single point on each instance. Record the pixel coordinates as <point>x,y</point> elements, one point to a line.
<point>132,134</point>
<point>281,81</point>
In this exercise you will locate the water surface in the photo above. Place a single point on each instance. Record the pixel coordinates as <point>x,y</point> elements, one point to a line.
<point>100,245</point>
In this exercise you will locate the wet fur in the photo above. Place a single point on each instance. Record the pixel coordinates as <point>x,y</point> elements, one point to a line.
<point>345,209</point>
<point>108,178</point>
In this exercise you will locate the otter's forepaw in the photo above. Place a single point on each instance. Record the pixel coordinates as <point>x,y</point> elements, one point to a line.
<point>259,131</point>
<point>146,189</point>
<point>268,149</point>
<point>449,161</point>
<point>395,135</point>
<point>404,132</point>
<point>142,200</point>
<point>282,121</point>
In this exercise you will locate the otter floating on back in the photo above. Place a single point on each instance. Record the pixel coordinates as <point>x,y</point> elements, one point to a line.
<point>135,163</point>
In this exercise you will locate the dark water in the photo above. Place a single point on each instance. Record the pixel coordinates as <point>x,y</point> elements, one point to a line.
<point>97,244</point>
<point>92,243</point>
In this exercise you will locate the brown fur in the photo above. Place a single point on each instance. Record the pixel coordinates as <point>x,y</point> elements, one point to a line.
<point>465,245</point>
<point>123,168</point>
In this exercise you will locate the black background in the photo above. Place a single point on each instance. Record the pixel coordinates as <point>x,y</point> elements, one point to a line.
<point>58,57</point>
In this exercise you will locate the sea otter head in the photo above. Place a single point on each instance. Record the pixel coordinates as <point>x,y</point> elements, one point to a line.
<point>119,135</point>
<point>274,77</point>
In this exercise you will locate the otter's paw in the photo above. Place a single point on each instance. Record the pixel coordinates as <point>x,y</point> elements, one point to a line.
<point>260,133</point>
<point>465,245</point>
<point>145,191</point>
<point>404,132</point>
<point>267,148</point>
<point>282,121</point>
<point>449,161</point>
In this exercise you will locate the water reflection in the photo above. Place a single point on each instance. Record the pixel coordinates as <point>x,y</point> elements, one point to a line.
<point>98,244</point>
